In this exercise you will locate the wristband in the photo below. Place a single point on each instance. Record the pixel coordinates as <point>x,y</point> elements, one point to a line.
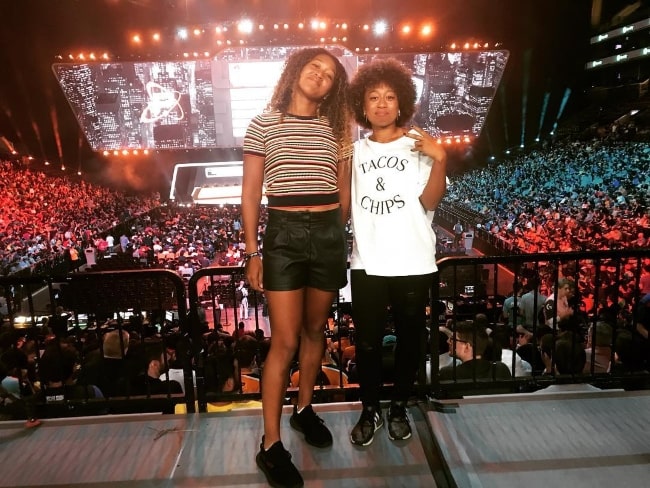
<point>250,255</point>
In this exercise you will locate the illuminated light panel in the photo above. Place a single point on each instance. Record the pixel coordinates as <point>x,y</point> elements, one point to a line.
<point>163,102</point>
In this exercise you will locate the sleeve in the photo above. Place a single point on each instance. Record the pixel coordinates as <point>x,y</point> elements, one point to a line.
<point>254,138</point>
<point>548,309</point>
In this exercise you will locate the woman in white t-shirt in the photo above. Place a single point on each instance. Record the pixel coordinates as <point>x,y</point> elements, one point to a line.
<point>398,179</point>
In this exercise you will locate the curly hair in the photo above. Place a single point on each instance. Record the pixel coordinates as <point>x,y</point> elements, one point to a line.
<point>334,104</point>
<point>387,71</point>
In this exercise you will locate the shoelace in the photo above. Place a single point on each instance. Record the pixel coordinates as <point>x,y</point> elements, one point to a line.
<point>397,411</point>
<point>369,417</point>
<point>312,415</point>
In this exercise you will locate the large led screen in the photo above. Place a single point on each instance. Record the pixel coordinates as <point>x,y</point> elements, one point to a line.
<point>198,104</point>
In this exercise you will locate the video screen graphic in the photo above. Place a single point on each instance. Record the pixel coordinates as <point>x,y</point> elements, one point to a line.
<point>203,104</point>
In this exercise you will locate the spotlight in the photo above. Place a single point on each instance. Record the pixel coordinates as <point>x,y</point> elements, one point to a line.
<point>380,28</point>
<point>245,26</point>
<point>426,30</point>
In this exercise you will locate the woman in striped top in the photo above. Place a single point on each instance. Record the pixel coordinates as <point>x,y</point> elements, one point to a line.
<point>296,150</point>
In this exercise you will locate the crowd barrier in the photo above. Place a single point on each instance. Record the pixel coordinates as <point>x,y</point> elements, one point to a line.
<point>156,304</point>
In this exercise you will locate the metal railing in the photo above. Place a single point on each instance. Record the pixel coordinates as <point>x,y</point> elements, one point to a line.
<point>91,306</point>
<point>202,312</point>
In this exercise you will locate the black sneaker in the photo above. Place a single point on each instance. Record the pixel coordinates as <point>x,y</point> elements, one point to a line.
<point>370,422</point>
<point>312,426</point>
<point>399,427</point>
<point>277,467</point>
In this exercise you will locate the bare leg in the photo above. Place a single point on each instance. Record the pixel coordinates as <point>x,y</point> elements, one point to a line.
<point>286,317</point>
<point>317,305</point>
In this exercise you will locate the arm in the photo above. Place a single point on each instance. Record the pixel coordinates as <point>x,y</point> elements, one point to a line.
<point>250,207</point>
<point>344,176</point>
<point>436,185</point>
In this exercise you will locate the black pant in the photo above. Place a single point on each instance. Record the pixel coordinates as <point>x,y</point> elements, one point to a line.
<point>407,297</point>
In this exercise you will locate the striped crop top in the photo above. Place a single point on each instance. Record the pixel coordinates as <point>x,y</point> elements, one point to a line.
<point>300,158</point>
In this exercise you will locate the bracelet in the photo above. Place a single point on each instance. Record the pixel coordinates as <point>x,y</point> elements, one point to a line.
<point>249,255</point>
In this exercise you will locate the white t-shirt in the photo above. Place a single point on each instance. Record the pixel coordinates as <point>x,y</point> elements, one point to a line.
<point>392,231</point>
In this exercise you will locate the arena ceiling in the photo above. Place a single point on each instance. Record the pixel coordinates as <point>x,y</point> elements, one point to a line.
<point>547,42</point>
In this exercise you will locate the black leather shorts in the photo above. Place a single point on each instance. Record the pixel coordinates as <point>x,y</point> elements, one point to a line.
<point>304,249</point>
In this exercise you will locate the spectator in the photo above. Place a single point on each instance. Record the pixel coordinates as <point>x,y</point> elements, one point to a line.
<point>468,344</point>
